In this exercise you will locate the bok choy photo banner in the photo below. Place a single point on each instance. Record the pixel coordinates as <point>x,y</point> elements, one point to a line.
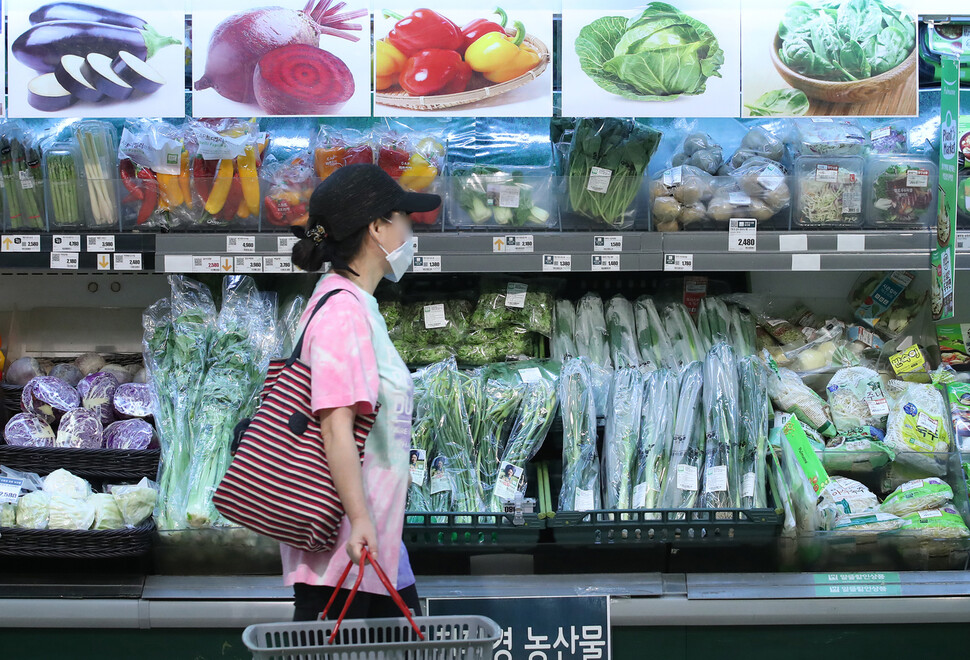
<point>97,58</point>
<point>254,60</point>
<point>447,59</point>
<point>823,58</point>
<point>678,59</point>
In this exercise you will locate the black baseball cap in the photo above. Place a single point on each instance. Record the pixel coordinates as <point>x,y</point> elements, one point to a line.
<point>356,195</point>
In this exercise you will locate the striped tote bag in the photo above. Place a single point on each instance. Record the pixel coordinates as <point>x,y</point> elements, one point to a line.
<point>279,483</point>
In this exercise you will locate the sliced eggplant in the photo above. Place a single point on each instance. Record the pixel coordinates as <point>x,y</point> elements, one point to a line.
<point>69,75</point>
<point>97,70</point>
<point>137,72</point>
<point>44,93</point>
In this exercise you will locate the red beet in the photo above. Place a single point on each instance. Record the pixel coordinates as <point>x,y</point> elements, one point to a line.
<point>302,80</point>
<point>240,41</point>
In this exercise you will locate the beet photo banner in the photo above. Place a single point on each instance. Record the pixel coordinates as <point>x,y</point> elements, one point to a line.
<point>79,59</point>
<point>251,60</point>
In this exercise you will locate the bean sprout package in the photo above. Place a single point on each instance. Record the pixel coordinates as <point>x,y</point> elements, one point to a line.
<point>856,399</point>
<point>918,429</point>
<point>791,395</point>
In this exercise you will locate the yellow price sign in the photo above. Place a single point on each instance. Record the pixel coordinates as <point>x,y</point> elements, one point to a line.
<point>908,361</point>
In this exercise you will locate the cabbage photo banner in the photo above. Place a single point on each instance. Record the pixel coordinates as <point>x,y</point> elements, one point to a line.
<point>677,59</point>
<point>251,60</point>
<point>95,59</point>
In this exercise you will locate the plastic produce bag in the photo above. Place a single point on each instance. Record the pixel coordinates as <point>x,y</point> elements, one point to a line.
<point>868,522</point>
<point>679,198</point>
<point>939,523</point>
<point>622,438</point>
<point>805,477</point>
<point>621,327</point>
<point>918,495</point>
<point>918,429</point>
<point>28,430</point>
<point>655,349</point>
<point>701,151</point>
<point>683,479</point>
<point>687,344</point>
<point>857,452</point>
<point>436,323</point>
<point>714,320</point>
<point>753,415</point>
<point>791,395</point>
<point>886,301</point>
<point>829,138</point>
<point>501,303</point>
<point>79,428</point>
<point>563,344</point>
<point>580,464</point>
<point>722,460</point>
<point>856,399</point>
<point>657,417</point>
<point>8,514</point>
<point>136,502</point>
<point>107,515</point>
<point>845,496</point>
<point>505,197</point>
<point>591,332</point>
<point>62,482</point>
<point>287,186</point>
<point>33,510</point>
<point>70,513</point>
<point>481,347</point>
<point>499,403</point>
<point>49,398</point>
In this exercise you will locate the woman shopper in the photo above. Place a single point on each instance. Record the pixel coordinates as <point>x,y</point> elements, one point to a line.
<point>358,222</point>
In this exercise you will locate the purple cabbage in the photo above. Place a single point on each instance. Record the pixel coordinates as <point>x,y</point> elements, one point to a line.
<point>133,401</point>
<point>130,434</point>
<point>97,392</point>
<point>79,428</point>
<point>20,372</point>
<point>28,430</point>
<point>68,373</point>
<point>49,398</point>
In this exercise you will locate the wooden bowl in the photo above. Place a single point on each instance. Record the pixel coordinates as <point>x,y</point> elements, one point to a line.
<point>401,99</point>
<point>845,92</point>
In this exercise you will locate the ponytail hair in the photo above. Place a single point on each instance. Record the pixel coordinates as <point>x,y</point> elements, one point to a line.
<point>310,255</point>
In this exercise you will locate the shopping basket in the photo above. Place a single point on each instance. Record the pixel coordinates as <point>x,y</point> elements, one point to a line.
<point>407,638</point>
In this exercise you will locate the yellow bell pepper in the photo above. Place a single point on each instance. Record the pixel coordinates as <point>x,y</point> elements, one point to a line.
<point>501,58</point>
<point>171,194</point>
<point>418,174</point>
<point>184,186</point>
<point>243,210</point>
<point>248,177</point>
<point>220,187</point>
<point>388,64</point>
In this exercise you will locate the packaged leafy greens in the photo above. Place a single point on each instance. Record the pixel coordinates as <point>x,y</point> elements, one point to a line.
<point>657,417</point>
<point>621,328</point>
<point>754,412</point>
<point>827,137</point>
<point>510,303</point>
<point>484,195</point>
<point>485,346</point>
<point>722,451</point>
<point>622,438</point>
<point>683,479</point>
<point>687,344</point>
<point>857,452</point>
<point>655,349</point>
<point>499,402</point>
<point>580,463</point>
<point>563,344</point>
<point>902,192</point>
<point>714,320</point>
<point>591,332</point>
<point>885,301</point>
<point>435,323</point>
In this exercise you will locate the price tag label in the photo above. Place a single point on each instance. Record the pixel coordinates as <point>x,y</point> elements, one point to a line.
<point>908,361</point>
<point>285,243</point>
<point>66,243</point>
<point>426,264</point>
<point>248,265</point>
<point>10,489</point>
<point>851,243</point>
<point>206,264</point>
<point>599,179</point>
<point>917,178</point>
<point>514,243</point>
<point>607,244</point>
<point>827,173</point>
<point>434,316</point>
<point>104,262</point>
<point>927,423</point>
<point>739,199</point>
<point>673,176</point>
<point>678,262</point>
<point>26,180</point>
<point>602,262</point>
<point>530,375</point>
<point>515,295</point>
<point>881,133</point>
<point>20,243</point>
<point>506,197</point>
<point>241,244</point>
<point>64,260</point>
<point>557,263</point>
<point>127,261</point>
<point>277,265</point>
<point>806,262</point>
<point>99,243</point>
<point>743,235</point>
<point>793,243</point>
<point>963,239</point>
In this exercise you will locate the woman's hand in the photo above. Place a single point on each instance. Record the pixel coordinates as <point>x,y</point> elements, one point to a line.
<point>362,534</point>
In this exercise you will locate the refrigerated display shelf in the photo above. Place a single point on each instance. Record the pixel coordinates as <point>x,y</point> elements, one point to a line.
<point>474,531</point>
<point>674,527</point>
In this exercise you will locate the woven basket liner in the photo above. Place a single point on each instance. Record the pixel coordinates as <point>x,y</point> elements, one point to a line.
<point>102,464</point>
<point>76,544</point>
<point>402,99</point>
<point>11,393</point>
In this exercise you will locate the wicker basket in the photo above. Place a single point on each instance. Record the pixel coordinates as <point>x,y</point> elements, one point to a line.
<point>75,544</point>
<point>401,99</point>
<point>99,464</point>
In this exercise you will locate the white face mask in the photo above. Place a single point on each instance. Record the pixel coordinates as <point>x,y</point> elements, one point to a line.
<point>399,259</point>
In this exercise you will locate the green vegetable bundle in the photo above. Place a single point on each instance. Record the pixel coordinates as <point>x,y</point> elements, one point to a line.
<point>580,465</point>
<point>591,331</point>
<point>655,349</point>
<point>519,304</point>
<point>741,332</point>
<point>422,441</point>
<point>607,160</point>
<point>722,461</point>
<point>63,181</point>
<point>435,323</point>
<point>657,418</point>
<point>687,344</point>
<point>393,313</point>
<point>23,185</point>
<point>683,479</point>
<point>621,328</point>
<point>491,196</point>
<point>481,347</point>
<point>564,330</point>
<point>845,41</point>
<point>660,55</point>
<point>500,401</point>
<point>622,438</point>
<point>714,320</point>
<point>754,412</point>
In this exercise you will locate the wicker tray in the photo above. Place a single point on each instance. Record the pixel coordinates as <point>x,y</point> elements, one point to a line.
<point>73,544</point>
<point>101,464</point>
<point>401,99</point>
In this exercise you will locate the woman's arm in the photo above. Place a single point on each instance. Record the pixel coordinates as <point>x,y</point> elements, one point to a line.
<point>337,428</point>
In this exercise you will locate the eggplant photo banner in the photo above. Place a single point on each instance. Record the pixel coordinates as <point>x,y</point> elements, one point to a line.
<point>253,60</point>
<point>95,59</point>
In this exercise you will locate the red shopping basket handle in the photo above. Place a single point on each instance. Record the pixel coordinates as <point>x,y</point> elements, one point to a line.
<point>365,558</point>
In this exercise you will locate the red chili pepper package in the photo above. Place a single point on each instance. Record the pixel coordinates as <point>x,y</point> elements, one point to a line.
<point>224,160</point>
<point>335,148</point>
<point>154,174</point>
<point>414,159</point>
<point>22,179</point>
<point>288,186</point>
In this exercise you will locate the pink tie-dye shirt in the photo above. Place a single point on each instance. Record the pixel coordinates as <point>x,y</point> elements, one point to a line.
<point>353,362</point>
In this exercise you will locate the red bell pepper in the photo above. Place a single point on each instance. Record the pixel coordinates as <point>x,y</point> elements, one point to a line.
<point>202,177</point>
<point>360,154</point>
<point>431,71</point>
<point>232,200</point>
<point>275,209</point>
<point>481,26</point>
<point>425,217</point>
<point>393,161</point>
<point>423,29</point>
<point>127,170</point>
<point>150,200</point>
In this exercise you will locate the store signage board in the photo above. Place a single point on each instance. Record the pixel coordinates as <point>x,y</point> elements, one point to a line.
<point>855,585</point>
<point>944,254</point>
<point>540,627</point>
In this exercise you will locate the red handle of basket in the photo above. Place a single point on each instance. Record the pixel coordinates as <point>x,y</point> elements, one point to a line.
<point>365,558</point>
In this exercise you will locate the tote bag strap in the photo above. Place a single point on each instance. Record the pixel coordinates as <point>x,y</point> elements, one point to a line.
<point>298,347</point>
